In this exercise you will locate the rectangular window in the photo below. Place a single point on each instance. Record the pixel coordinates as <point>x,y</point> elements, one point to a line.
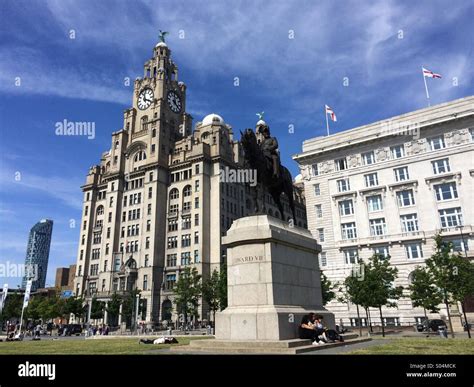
<point>319,210</point>
<point>397,151</point>
<point>451,217</point>
<point>374,203</point>
<point>405,198</point>
<point>445,191</point>
<point>349,231</point>
<point>186,206</point>
<point>317,190</point>
<point>371,180</point>
<point>170,281</point>
<point>368,158</point>
<point>186,240</point>
<point>171,260</point>
<point>315,170</point>
<point>196,237</point>
<point>378,227</point>
<point>323,259</point>
<point>196,169</point>
<point>150,192</point>
<point>382,251</point>
<point>172,242</point>
<point>321,234</point>
<point>350,256</point>
<point>409,222</point>
<point>346,207</point>
<point>196,202</point>
<point>196,219</point>
<point>186,223</point>
<point>437,143</point>
<point>441,166</point>
<point>185,258</point>
<point>196,186</point>
<point>459,245</point>
<point>145,282</point>
<point>343,185</point>
<point>197,259</point>
<point>401,174</point>
<point>340,164</point>
<point>146,260</point>
<point>414,250</point>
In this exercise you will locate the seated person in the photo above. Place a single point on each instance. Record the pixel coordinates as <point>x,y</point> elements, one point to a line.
<point>306,329</point>
<point>327,335</point>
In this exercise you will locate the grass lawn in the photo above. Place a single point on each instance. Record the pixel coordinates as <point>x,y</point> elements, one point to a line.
<point>419,346</point>
<point>86,347</point>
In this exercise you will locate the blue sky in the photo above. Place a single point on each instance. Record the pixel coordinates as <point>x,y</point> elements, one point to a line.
<point>379,46</point>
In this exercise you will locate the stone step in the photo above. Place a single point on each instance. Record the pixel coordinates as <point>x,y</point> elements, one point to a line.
<point>249,344</point>
<point>236,347</point>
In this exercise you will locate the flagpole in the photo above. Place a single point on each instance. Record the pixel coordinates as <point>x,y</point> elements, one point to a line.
<point>426,87</point>
<point>327,122</point>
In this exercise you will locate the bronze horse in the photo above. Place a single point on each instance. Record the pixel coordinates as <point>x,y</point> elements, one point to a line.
<point>255,159</point>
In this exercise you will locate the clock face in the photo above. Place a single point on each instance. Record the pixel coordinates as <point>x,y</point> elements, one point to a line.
<point>145,99</point>
<point>174,102</point>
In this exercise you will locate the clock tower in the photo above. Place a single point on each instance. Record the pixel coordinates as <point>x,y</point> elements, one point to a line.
<point>158,118</point>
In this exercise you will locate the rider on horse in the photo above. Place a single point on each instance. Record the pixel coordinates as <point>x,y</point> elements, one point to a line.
<point>269,147</point>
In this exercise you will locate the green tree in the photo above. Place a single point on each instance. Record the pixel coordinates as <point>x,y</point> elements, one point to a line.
<point>12,307</point>
<point>33,309</point>
<point>327,289</point>
<point>352,291</point>
<point>128,306</point>
<point>97,309</point>
<point>447,269</point>
<point>211,293</point>
<point>463,287</point>
<point>113,308</point>
<point>379,277</point>
<point>74,306</point>
<point>223,287</point>
<point>423,292</point>
<point>188,290</point>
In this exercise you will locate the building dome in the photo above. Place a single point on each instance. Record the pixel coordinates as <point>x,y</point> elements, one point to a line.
<point>213,119</point>
<point>161,44</point>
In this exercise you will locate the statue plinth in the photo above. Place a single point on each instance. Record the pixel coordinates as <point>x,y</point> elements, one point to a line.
<point>273,280</point>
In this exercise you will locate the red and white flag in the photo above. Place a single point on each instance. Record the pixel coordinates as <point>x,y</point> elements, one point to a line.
<point>430,74</point>
<point>331,113</point>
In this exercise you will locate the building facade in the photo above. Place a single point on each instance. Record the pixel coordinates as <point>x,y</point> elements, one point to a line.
<point>388,188</point>
<point>160,199</point>
<point>65,278</point>
<point>37,254</point>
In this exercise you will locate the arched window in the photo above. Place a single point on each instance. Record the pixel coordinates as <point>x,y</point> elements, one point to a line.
<point>100,210</point>
<point>139,156</point>
<point>205,135</point>
<point>174,194</point>
<point>187,191</point>
<point>144,122</point>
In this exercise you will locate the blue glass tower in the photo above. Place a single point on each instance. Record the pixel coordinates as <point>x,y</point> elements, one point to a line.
<point>37,254</point>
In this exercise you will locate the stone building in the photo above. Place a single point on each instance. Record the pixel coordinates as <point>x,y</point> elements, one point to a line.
<point>159,200</point>
<point>388,188</point>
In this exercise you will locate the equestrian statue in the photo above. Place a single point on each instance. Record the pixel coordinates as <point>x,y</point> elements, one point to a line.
<point>272,177</point>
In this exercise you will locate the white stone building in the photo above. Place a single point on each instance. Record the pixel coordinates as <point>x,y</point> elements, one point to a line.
<point>388,187</point>
<point>155,204</point>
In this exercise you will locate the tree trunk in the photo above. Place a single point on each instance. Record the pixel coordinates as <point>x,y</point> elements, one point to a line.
<point>465,319</point>
<point>370,320</point>
<point>381,321</point>
<point>359,321</point>
<point>424,310</point>
<point>214,321</point>
<point>449,314</point>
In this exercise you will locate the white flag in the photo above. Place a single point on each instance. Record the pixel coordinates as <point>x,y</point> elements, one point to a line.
<point>27,293</point>
<point>430,74</point>
<point>331,113</point>
<point>4,296</point>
